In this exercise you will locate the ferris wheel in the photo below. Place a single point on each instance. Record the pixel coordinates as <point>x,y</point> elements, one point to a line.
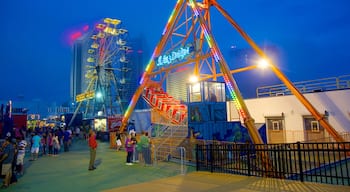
<point>106,69</point>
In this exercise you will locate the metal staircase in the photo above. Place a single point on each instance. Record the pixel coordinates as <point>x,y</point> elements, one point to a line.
<point>165,146</point>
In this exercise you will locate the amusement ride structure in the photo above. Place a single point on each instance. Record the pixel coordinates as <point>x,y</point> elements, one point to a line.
<point>106,71</point>
<point>187,40</point>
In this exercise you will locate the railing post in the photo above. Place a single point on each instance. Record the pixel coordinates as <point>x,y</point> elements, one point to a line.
<point>211,158</point>
<point>182,160</point>
<point>248,158</point>
<point>155,156</point>
<point>300,162</point>
<point>197,159</point>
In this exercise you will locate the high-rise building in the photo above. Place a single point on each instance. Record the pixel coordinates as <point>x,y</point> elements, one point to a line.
<point>138,62</point>
<point>76,78</point>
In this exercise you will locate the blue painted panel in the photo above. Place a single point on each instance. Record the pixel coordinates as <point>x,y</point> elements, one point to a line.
<point>218,111</point>
<point>262,132</point>
<point>198,113</point>
<point>212,124</point>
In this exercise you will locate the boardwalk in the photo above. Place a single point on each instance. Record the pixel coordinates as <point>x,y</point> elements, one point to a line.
<point>69,172</point>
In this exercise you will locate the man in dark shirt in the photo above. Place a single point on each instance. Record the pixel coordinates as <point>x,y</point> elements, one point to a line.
<point>66,137</point>
<point>6,160</point>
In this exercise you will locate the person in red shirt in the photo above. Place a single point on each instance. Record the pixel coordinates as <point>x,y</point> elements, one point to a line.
<point>93,147</point>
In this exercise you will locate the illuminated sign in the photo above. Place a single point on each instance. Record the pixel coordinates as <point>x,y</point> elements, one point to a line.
<point>85,96</point>
<point>33,117</point>
<point>175,56</point>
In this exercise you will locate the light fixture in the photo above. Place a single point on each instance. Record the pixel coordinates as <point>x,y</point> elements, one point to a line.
<point>193,79</point>
<point>263,63</point>
<point>98,95</point>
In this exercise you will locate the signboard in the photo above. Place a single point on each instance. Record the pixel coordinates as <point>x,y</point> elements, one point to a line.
<point>114,123</point>
<point>85,96</point>
<point>175,56</point>
<point>33,117</point>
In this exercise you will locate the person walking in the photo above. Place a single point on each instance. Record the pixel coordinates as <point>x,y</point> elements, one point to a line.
<point>145,148</point>
<point>135,153</point>
<point>93,147</point>
<point>66,138</point>
<point>20,157</point>
<point>6,160</point>
<point>118,140</point>
<point>50,143</point>
<point>129,148</point>
<point>43,143</point>
<point>35,146</point>
<point>56,144</point>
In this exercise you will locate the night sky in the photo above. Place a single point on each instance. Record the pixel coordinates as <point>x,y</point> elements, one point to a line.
<point>311,35</point>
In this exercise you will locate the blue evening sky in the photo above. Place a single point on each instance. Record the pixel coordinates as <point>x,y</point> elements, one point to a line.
<point>35,57</point>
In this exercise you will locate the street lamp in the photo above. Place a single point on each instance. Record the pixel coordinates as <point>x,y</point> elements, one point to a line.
<point>193,79</point>
<point>263,63</point>
<point>98,95</point>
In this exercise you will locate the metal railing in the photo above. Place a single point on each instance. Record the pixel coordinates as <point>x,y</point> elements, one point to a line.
<point>311,86</point>
<point>175,161</point>
<point>314,162</point>
<point>170,136</point>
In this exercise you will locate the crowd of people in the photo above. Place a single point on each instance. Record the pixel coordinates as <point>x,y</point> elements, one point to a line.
<point>38,142</point>
<point>47,141</point>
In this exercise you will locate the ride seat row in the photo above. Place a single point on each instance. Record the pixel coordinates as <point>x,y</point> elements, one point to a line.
<point>170,106</point>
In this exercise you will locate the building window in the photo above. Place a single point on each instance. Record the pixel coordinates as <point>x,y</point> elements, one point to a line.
<point>315,126</point>
<point>275,125</point>
<point>195,93</point>
<point>312,125</point>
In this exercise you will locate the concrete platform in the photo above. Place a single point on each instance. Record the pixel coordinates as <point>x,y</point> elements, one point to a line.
<point>69,172</point>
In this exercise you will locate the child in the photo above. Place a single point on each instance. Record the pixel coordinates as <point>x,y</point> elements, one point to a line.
<point>20,157</point>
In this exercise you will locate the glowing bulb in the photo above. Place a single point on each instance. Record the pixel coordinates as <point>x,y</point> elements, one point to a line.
<point>193,79</point>
<point>98,95</point>
<point>263,63</point>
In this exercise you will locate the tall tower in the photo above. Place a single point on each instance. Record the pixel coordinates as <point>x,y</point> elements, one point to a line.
<point>137,60</point>
<point>76,81</point>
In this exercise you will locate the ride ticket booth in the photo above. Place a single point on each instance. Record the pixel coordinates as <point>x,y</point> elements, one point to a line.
<point>206,102</point>
<point>206,91</point>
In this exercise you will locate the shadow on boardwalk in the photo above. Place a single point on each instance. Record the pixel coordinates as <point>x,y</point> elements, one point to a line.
<point>69,172</point>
